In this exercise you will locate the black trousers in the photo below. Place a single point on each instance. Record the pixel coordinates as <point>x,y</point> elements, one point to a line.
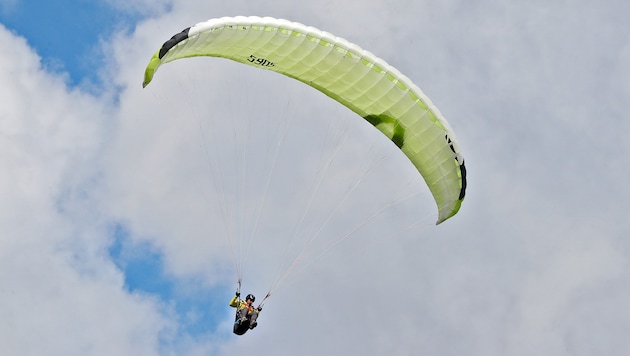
<point>243,320</point>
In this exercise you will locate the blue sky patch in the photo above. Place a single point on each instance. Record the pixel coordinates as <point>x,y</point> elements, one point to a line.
<point>66,33</point>
<point>199,309</point>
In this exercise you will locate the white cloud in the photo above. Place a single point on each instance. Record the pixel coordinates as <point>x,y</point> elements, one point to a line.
<point>534,263</point>
<point>58,293</point>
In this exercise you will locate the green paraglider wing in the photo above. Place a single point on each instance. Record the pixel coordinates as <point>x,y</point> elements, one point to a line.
<point>348,74</point>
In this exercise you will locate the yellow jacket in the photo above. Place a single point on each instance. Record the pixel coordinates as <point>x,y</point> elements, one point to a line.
<point>239,304</point>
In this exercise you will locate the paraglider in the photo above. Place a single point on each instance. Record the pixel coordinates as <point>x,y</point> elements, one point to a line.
<point>348,74</point>
<point>246,313</point>
<point>354,77</point>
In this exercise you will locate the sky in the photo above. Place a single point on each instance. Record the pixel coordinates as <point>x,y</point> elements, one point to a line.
<point>121,206</point>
